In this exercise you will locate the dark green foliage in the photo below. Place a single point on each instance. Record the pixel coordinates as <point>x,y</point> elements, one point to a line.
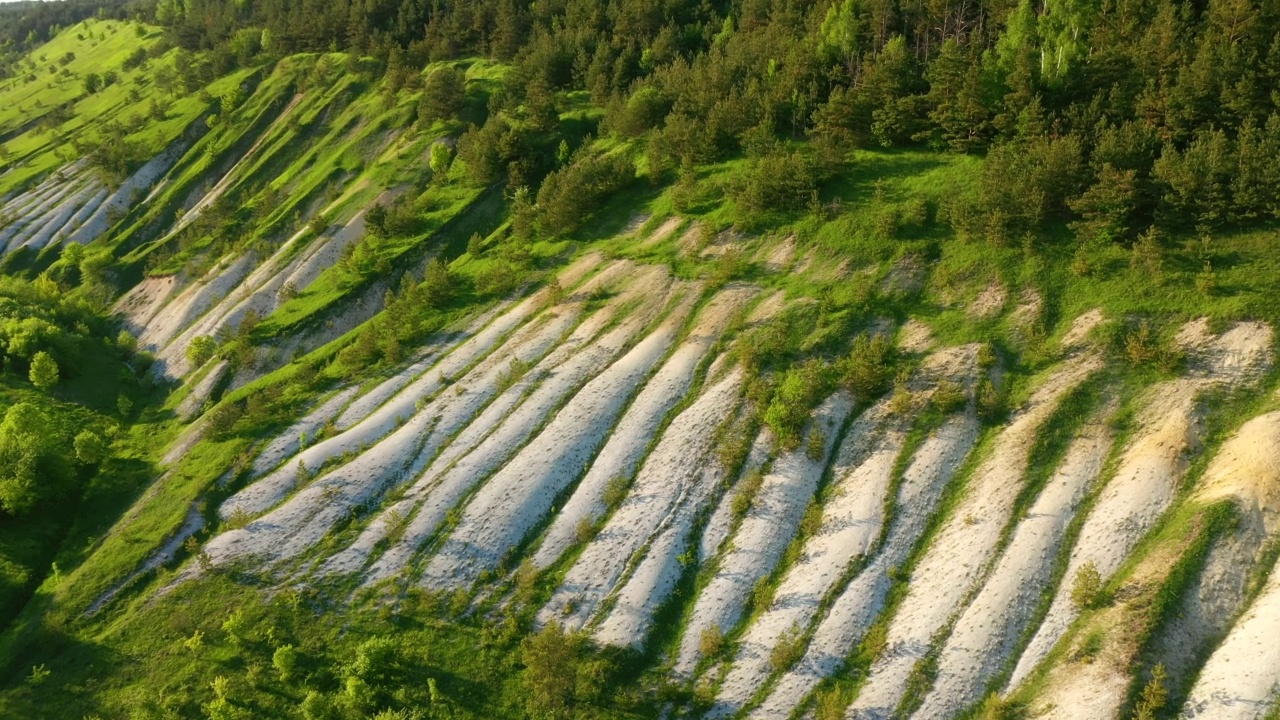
<point>779,181</point>
<point>868,369</point>
<point>1046,171</point>
<point>443,92</point>
<point>1106,208</point>
<point>568,196</point>
<point>498,148</point>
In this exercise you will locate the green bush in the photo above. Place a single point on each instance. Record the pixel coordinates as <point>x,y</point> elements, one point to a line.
<point>44,371</point>
<point>799,391</point>
<point>868,369</point>
<point>285,661</point>
<point>90,447</point>
<point>443,93</point>
<point>571,194</point>
<point>200,351</point>
<point>778,182</point>
<point>1086,588</point>
<point>33,466</point>
<point>788,650</point>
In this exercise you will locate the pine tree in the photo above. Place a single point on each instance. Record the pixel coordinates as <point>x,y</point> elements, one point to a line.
<point>44,371</point>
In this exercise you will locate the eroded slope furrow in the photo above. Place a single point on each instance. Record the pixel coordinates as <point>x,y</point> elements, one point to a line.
<point>634,432</point>
<point>959,554</point>
<point>852,522</point>
<point>1151,466</point>
<point>769,526</point>
<point>461,453</point>
<point>1240,679</point>
<point>628,618</point>
<point>669,474</point>
<point>986,635</point>
<point>308,516</point>
<point>857,606</point>
<point>520,494</point>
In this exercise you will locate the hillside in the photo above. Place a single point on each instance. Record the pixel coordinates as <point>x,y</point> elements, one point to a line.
<point>724,360</point>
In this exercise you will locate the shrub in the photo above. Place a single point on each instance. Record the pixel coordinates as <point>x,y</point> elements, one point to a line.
<point>948,396</point>
<point>830,704</point>
<point>1087,586</point>
<point>816,446</point>
<point>90,447</point>
<point>988,400</point>
<point>375,659</point>
<point>200,351</point>
<point>357,694</point>
<point>44,371</point>
<point>868,369</point>
<point>586,530</point>
<point>779,181</point>
<point>788,650</point>
<point>550,659</point>
<point>748,487</point>
<point>1142,347</point>
<point>1146,256</point>
<point>799,391</point>
<point>616,491</point>
<point>33,467</point>
<point>711,641</point>
<point>39,674</point>
<point>1154,695</point>
<point>443,93</point>
<point>441,159</point>
<point>1105,208</point>
<point>569,195</point>
<point>285,661</point>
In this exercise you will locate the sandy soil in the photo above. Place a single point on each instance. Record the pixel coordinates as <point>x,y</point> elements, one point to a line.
<point>625,447</point>
<point>987,632</point>
<point>671,472</point>
<point>857,605</point>
<point>960,554</point>
<point>521,494</point>
<point>1240,678</point>
<point>769,526</point>
<point>1151,466</point>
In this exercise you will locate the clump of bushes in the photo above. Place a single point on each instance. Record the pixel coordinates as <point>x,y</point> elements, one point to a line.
<point>869,367</point>
<point>569,195</point>
<point>776,182</point>
<point>799,390</point>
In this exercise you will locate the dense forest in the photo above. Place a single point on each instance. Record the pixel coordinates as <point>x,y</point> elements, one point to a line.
<point>1117,114</point>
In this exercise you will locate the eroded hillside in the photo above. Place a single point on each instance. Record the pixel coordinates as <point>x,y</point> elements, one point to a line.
<point>858,464</point>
